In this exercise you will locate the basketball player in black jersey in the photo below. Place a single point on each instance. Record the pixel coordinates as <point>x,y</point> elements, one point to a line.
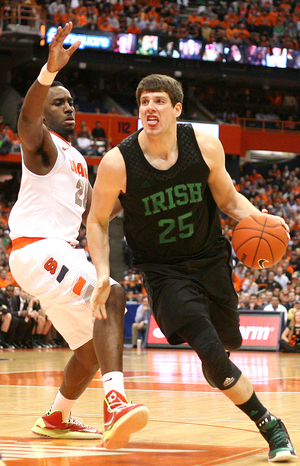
<point>171,181</point>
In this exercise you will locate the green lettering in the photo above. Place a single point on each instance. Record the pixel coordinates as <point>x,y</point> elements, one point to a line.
<point>158,200</point>
<point>169,225</point>
<point>195,192</point>
<point>186,229</point>
<point>180,193</point>
<point>169,193</point>
<point>145,201</point>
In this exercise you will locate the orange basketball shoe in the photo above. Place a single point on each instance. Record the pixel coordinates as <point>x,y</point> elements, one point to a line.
<point>53,426</point>
<point>121,419</point>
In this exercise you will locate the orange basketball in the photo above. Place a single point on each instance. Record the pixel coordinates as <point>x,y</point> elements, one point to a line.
<point>260,241</point>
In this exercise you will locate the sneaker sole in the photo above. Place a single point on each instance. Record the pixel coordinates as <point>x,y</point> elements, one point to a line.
<point>284,455</point>
<point>119,435</point>
<point>58,433</point>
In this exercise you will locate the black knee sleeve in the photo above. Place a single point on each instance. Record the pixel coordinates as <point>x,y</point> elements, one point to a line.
<point>210,350</point>
<point>224,377</point>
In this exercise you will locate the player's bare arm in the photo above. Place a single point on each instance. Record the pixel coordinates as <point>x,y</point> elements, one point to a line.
<point>110,181</point>
<point>34,135</point>
<point>222,188</point>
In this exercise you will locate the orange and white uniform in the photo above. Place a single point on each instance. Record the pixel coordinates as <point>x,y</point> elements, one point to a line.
<point>44,224</point>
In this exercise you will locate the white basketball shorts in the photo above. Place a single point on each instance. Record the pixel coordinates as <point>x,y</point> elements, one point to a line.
<point>62,279</point>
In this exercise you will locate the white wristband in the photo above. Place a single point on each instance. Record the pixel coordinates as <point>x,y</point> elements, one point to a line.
<point>45,77</point>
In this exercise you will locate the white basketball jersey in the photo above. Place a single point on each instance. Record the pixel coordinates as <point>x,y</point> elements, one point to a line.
<point>51,206</point>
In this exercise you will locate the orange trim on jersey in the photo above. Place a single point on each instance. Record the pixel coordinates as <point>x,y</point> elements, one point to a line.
<point>55,134</point>
<point>79,285</point>
<point>19,243</point>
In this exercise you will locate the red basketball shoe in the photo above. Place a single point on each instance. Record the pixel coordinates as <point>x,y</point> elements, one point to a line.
<point>121,419</point>
<point>53,426</point>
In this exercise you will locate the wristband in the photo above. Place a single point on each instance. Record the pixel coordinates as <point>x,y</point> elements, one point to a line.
<point>45,77</point>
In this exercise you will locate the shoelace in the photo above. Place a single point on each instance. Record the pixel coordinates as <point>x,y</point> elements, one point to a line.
<point>78,422</point>
<point>278,437</point>
<point>119,405</point>
<point>75,420</point>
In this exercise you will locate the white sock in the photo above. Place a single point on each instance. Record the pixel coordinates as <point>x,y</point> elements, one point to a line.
<point>62,404</point>
<point>113,381</point>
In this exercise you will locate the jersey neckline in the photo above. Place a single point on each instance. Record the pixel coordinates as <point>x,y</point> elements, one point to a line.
<point>63,139</point>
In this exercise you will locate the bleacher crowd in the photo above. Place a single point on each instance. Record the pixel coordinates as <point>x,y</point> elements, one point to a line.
<point>274,23</point>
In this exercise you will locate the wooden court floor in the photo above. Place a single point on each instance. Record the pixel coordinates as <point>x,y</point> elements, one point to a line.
<point>190,423</point>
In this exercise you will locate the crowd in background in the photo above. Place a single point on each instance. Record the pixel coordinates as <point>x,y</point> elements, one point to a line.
<point>261,106</point>
<point>274,23</point>
<point>264,23</point>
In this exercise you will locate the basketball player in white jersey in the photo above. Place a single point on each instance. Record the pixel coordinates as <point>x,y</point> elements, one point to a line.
<point>54,199</point>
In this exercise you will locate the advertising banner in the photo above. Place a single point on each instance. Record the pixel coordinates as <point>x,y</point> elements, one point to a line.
<point>260,331</point>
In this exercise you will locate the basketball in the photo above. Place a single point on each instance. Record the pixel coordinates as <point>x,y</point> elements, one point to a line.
<point>260,241</point>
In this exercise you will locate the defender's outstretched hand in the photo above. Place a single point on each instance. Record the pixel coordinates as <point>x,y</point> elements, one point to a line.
<point>58,55</point>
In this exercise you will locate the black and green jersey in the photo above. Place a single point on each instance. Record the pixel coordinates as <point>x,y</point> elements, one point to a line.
<point>169,215</point>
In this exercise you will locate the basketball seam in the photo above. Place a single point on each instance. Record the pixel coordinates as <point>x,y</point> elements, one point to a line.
<point>261,234</point>
<point>265,232</point>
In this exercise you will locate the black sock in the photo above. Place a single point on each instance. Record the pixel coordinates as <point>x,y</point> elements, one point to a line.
<point>253,408</point>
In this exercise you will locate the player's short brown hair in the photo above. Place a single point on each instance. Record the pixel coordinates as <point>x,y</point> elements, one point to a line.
<point>160,83</point>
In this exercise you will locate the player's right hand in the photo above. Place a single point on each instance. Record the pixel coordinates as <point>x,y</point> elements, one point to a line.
<point>58,55</point>
<point>99,297</point>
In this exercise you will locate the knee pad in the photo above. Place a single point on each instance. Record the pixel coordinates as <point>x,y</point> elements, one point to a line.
<point>224,377</point>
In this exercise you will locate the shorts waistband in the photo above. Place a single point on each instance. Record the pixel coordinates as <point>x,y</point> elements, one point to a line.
<point>19,243</point>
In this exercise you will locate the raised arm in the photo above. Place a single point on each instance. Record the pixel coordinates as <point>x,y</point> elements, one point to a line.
<point>36,141</point>
<point>110,182</point>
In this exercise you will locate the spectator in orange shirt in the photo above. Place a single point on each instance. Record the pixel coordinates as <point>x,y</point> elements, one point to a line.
<point>3,278</point>
<point>70,15</point>
<point>214,21</point>
<point>243,32</point>
<point>101,18</point>
<point>60,18</point>
<point>254,177</point>
<point>117,6</point>
<point>232,17</point>
<point>9,132</point>
<point>152,14</point>
<point>194,18</point>
<point>81,7</point>
<point>133,28</point>
<point>285,7</point>
<point>81,18</point>
<point>104,26</point>
<point>230,31</point>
